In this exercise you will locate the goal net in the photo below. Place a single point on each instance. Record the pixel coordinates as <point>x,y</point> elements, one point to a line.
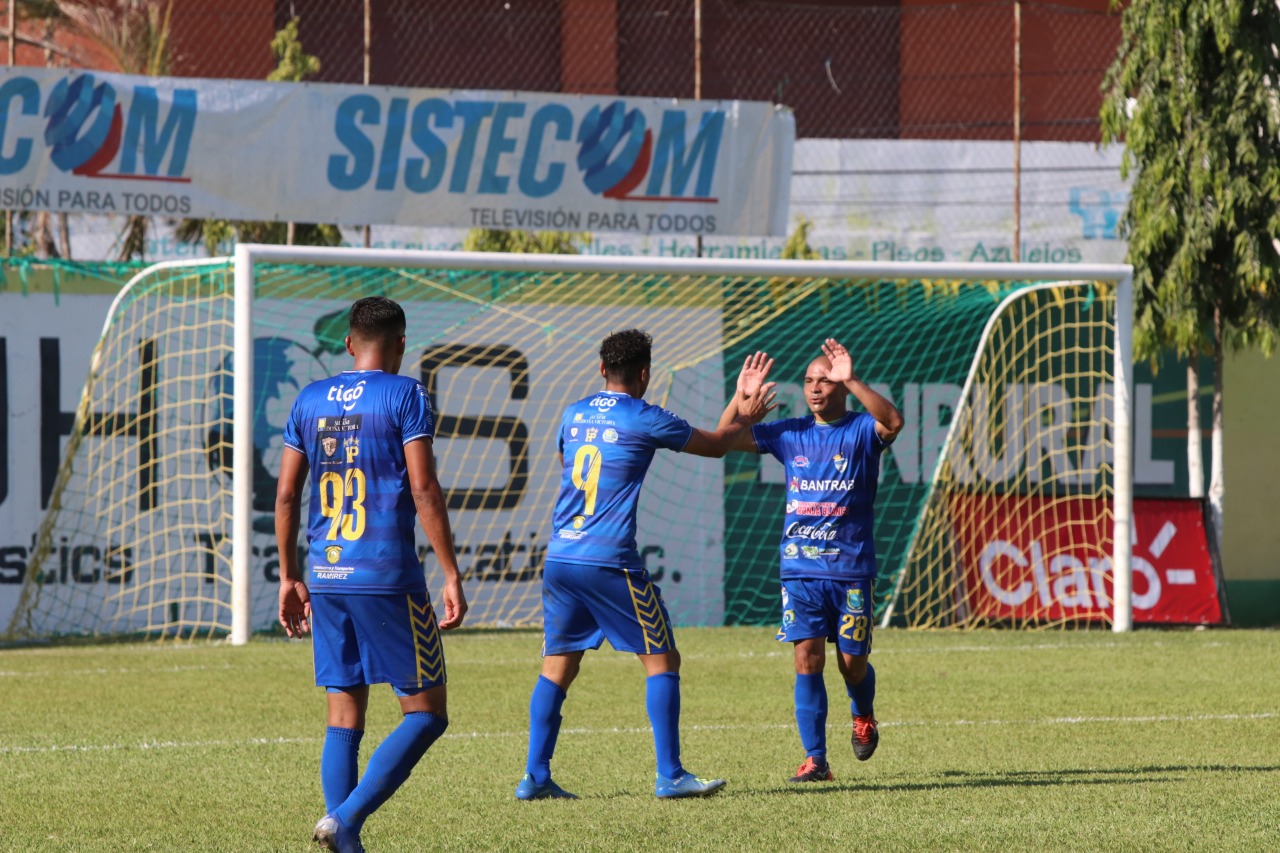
<point>998,503</point>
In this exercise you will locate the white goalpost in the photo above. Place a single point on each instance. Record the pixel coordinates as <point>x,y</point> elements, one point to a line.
<point>1018,378</point>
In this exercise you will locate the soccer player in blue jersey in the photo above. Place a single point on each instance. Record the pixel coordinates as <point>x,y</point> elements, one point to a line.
<point>595,586</point>
<point>366,437</point>
<point>832,463</point>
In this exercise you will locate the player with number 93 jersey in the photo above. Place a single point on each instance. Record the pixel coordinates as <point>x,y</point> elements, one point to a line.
<point>352,428</point>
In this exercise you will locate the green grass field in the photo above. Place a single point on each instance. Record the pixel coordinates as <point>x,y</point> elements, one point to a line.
<point>989,741</point>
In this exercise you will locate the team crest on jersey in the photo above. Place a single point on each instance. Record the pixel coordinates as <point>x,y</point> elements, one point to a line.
<point>800,462</point>
<point>573,432</point>
<point>578,521</point>
<point>791,550</point>
<point>840,462</point>
<point>610,435</point>
<point>329,444</point>
<point>853,599</point>
<point>333,553</point>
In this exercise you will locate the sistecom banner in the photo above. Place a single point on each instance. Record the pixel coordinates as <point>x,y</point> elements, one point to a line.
<point>232,149</point>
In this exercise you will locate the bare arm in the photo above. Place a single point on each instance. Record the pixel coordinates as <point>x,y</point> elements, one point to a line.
<point>753,374</point>
<point>434,516</point>
<point>295,598</point>
<point>888,418</point>
<point>737,433</point>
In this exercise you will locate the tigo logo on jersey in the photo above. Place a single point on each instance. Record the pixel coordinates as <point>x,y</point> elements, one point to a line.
<point>800,462</point>
<point>347,396</point>
<point>840,462</point>
<point>90,127</point>
<point>603,403</point>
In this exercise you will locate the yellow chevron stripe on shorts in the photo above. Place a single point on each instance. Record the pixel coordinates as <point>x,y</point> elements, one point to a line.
<point>648,608</point>
<point>428,653</point>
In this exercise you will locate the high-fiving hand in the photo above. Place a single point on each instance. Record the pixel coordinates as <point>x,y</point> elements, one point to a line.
<point>755,370</point>
<point>841,364</point>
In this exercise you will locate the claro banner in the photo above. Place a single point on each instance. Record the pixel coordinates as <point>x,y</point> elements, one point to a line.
<point>1027,558</point>
<point>109,143</point>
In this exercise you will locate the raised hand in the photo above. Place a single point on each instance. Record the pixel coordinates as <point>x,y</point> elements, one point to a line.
<point>841,364</point>
<point>759,403</point>
<point>755,370</point>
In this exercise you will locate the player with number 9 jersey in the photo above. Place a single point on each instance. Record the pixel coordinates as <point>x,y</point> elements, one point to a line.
<point>594,583</point>
<point>607,441</point>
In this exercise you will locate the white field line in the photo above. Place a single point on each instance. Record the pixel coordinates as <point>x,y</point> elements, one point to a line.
<point>644,730</point>
<point>458,658</point>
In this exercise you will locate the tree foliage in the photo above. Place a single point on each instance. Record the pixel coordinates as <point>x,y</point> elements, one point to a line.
<point>292,62</point>
<point>1193,94</point>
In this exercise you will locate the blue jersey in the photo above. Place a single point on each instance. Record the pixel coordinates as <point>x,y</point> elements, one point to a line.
<point>608,441</point>
<point>360,523</point>
<point>832,472</point>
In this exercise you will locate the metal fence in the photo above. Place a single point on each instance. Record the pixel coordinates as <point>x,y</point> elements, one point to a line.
<point>983,71</point>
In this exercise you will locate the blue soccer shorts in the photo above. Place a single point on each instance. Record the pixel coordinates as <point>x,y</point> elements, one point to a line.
<point>383,638</point>
<point>583,605</point>
<point>839,610</point>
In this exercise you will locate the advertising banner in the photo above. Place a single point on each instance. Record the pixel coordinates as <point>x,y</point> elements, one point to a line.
<point>103,143</point>
<point>1027,558</point>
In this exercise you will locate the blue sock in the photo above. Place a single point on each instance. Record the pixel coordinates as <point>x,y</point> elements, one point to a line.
<point>339,765</point>
<point>662,701</point>
<point>811,714</point>
<point>544,728</point>
<point>390,766</point>
<point>862,696</point>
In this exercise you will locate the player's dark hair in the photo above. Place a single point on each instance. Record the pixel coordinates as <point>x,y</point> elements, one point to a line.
<point>625,353</point>
<point>377,318</point>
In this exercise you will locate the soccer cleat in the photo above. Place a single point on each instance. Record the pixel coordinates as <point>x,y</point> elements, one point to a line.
<point>333,834</point>
<point>687,785</point>
<point>865,737</point>
<point>813,771</point>
<point>531,790</point>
